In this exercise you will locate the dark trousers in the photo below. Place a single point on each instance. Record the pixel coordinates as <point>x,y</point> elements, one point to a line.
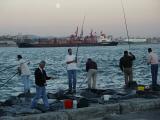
<point>154,72</point>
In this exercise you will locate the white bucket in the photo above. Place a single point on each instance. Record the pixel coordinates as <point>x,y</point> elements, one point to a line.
<point>74,104</point>
<point>106,97</point>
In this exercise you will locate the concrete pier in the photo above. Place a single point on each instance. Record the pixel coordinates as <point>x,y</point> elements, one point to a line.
<point>96,112</point>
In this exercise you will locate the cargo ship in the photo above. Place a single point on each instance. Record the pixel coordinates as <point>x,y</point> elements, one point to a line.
<point>72,41</point>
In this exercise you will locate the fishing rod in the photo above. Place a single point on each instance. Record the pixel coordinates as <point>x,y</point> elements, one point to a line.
<point>83,82</point>
<point>81,35</point>
<point>12,66</point>
<point>77,52</point>
<point>8,80</point>
<point>125,22</point>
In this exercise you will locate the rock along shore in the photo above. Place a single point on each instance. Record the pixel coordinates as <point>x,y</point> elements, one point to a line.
<point>94,111</point>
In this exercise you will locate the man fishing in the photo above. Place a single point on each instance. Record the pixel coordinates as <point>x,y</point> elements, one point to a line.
<point>25,73</point>
<point>40,81</point>
<point>71,62</point>
<point>91,68</point>
<point>125,65</point>
<point>153,60</point>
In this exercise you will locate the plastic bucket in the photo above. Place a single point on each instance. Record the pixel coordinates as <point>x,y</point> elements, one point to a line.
<point>140,88</point>
<point>106,97</point>
<point>68,104</point>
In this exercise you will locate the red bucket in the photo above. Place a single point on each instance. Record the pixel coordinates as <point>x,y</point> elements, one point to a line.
<point>68,104</point>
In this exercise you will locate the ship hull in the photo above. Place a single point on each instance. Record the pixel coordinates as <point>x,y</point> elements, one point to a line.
<point>29,45</point>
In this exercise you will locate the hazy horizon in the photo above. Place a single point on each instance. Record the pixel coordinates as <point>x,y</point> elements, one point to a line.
<point>61,17</point>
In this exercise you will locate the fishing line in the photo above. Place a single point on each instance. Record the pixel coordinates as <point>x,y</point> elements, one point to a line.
<point>77,52</point>
<point>125,22</point>
<point>10,78</point>
<point>44,54</point>
<point>81,36</point>
<point>12,66</point>
<point>83,81</point>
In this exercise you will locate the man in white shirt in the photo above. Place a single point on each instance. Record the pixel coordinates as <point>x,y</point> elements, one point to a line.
<point>153,60</point>
<point>24,73</point>
<point>71,62</point>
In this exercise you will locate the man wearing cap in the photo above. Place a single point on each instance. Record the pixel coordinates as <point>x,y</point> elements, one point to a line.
<point>40,81</point>
<point>71,61</point>
<point>25,73</point>
<point>153,60</point>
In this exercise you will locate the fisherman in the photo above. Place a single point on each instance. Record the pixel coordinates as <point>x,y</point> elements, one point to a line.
<point>71,62</point>
<point>125,65</point>
<point>40,81</point>
<point>153,60</point>
<point>25,73</point>
<point>91,68</point>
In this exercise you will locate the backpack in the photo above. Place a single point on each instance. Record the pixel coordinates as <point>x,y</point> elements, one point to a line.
<point>83,102</point>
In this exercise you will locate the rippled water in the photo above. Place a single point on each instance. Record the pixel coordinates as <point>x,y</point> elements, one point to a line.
<point>107,58</point>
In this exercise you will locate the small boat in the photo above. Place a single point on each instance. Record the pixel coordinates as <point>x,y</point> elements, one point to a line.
<point>7,44</point>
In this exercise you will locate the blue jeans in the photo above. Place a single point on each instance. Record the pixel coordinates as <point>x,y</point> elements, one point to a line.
<point>154,72</point>
<point>26,82</point>
<point>40,93</point>
<point>72,79</point>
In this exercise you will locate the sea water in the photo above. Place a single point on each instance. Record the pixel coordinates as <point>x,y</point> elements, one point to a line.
<point>107,58</point>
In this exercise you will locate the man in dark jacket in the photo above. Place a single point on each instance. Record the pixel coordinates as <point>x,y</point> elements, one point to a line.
<point>40,81</point>
<point>91,68</point>
<point>125,65</point>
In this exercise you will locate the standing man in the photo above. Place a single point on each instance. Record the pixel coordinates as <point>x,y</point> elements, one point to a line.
<point>71,62</point>
<point>91,68</point>
<point>153,60</point>
<point>125,65</point>
<point>25,73</point>
<point>40,81</point>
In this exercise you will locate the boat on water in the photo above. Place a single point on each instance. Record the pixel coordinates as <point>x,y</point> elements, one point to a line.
<point>28,45</point>
<point>71,41</point>
<point>136,41</point>
<point>7,43</point>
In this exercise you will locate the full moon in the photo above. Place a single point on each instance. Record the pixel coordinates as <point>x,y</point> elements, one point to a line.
<point>57,5</point>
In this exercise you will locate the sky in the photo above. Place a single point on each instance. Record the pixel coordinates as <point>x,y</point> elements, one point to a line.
<point>61,17</point>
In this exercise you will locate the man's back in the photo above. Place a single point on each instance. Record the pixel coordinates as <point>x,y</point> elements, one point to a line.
<point>91,65</point>
<point>153,58</point>
<point>126,61</point>
<point>24,67</point>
